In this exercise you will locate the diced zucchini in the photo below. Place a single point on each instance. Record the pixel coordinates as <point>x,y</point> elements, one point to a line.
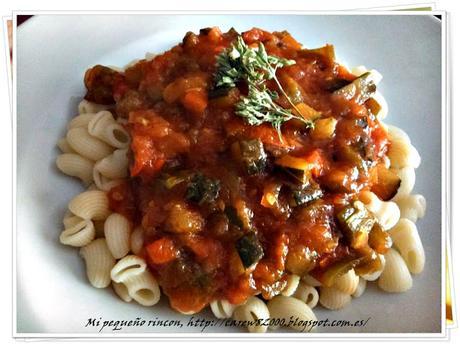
<point>306,112</point>
<point>202,189</point>
<point>369,264</point>
<point>356,222</point>
<point>292,88</point>
<point>249,249</point>
<point>379,239</point>
<point>386,182</point>
<point>252,155</point>
<point>296,167</point>
<point>306,194</point>
<point>324,129</point>
<point>328,277</point>
<point>362,88</point>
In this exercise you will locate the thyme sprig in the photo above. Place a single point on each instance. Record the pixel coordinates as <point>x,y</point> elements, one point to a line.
<point>254,66</point>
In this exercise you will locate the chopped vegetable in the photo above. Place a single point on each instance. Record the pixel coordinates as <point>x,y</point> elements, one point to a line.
<point>293,90</point>
<point>249,249</point>
<point>162,251</point>
<point>324,128</point>
<point>327,53</point>
<point>356,223</point>
<point>306,194</point>
<point>302,168</point>
<point>270,196</point>
<point>328,277</point>
<point>379,239</point>
<point>300,260</point>
<point>385,182</point>
<point>369,264</point>
<point>233,216</point>
<point>374,106</point>
<point>195,100</point>
<point>306,111</point>
<point>182,219</point>
<point>252,155</point>
<point>361,89</point>
<point>202,189</point>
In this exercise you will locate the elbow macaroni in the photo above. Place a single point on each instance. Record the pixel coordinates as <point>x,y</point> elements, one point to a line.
<point>99,262</point>
<point>407,240</point>
<point>253,309</point>
<point>117,231</point>
<point>90,205</point>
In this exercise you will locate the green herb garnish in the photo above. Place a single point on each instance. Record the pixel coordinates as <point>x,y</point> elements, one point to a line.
<point>254,66</point>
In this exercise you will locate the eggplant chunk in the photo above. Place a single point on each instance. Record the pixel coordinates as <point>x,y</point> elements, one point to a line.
<point>252,155</point>
<point>202,189</point>
<point>249,249</point>
<point>362,88</point>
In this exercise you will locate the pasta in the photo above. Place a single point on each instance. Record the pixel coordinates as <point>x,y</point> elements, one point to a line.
<point>70,219</point>
<point>285,307</point>
<point>90,205</point>
<point>103,183</point>
<point>122,292</point>
<point>114,166</point>
<point>127,267</point>
<point>412,207</point>
<point>407,175</point>
<point>252,310</point>
<point>360,288</point>
<point>395,277</point>
<point>397,134</point>
<point>347,283</point>
<point>76,166</point>
<point>117,232</point>
<point>222,309</point>
<point>89,107</point>
<point>403,154</point>
<point>374,275</point>
<point>332,298</point>
<point>291,286</point>
<point>86,145</point>
<point>387,213</point>
<point>307,294</point>
<point>137,240</point>
<point>78,234</point>
<point>64,146</point>
<point>310,280</point>
<point>99,262</point>
<point>80,121</point>
<point>407,241</point>
<point>143,288</point>
<point>105,128</point>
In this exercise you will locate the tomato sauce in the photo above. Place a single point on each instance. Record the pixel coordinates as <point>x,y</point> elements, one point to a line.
<point>191,193</point>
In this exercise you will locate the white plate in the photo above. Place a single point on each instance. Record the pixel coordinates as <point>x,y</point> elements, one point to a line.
<point>53,52</point>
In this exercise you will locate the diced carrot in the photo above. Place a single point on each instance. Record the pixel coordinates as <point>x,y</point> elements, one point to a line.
<point>162,251</point>
<point>195,100</point>
<point>316,162</point>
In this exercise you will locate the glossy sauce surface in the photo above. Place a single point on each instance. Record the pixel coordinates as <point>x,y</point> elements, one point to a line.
<point>182,131</point>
